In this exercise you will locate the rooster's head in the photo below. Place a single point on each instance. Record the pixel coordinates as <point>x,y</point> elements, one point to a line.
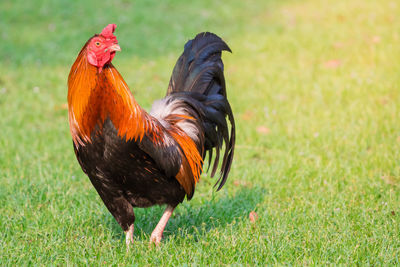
<point>101,48</point>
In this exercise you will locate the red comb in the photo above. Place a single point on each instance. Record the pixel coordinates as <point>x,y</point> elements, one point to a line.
<point>107,32</point>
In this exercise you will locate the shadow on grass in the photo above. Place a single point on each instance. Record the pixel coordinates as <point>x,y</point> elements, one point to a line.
<point>190,219</point>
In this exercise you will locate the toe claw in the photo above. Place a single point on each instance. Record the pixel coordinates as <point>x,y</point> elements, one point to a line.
<point>155,239</point>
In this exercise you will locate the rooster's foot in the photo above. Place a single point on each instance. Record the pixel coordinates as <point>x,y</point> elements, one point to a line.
<point>157,234</point>
<point>129,236</point>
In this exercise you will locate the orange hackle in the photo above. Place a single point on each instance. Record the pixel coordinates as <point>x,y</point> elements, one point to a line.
<point>93,97</point>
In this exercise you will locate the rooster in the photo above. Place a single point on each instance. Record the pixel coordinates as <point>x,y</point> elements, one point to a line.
<point>136,158</point>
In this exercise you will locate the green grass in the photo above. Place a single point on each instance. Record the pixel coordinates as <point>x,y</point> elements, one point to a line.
<point>314,86</point>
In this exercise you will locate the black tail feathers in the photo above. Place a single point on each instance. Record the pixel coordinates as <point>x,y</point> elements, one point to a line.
<point>199,75</point>
<point>200,68</point>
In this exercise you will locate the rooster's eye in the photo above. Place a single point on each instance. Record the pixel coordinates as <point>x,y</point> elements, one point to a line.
<point>97,43</point>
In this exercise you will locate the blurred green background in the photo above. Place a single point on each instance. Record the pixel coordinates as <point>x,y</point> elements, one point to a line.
<point>314,86</point>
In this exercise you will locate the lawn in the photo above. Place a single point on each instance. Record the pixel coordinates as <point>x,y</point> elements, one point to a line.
<point>315,89</point>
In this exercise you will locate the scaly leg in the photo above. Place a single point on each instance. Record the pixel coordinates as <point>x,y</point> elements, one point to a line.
<point>157,234</point>
<point>129,236</point>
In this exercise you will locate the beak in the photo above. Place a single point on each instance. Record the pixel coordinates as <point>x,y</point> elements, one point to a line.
<point>115,47</point>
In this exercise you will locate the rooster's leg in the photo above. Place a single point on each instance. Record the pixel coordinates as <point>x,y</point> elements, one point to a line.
<point>129,236</point>
<point>158,231</point>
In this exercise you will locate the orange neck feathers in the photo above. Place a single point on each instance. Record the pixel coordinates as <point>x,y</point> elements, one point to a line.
<point>93,97</point>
